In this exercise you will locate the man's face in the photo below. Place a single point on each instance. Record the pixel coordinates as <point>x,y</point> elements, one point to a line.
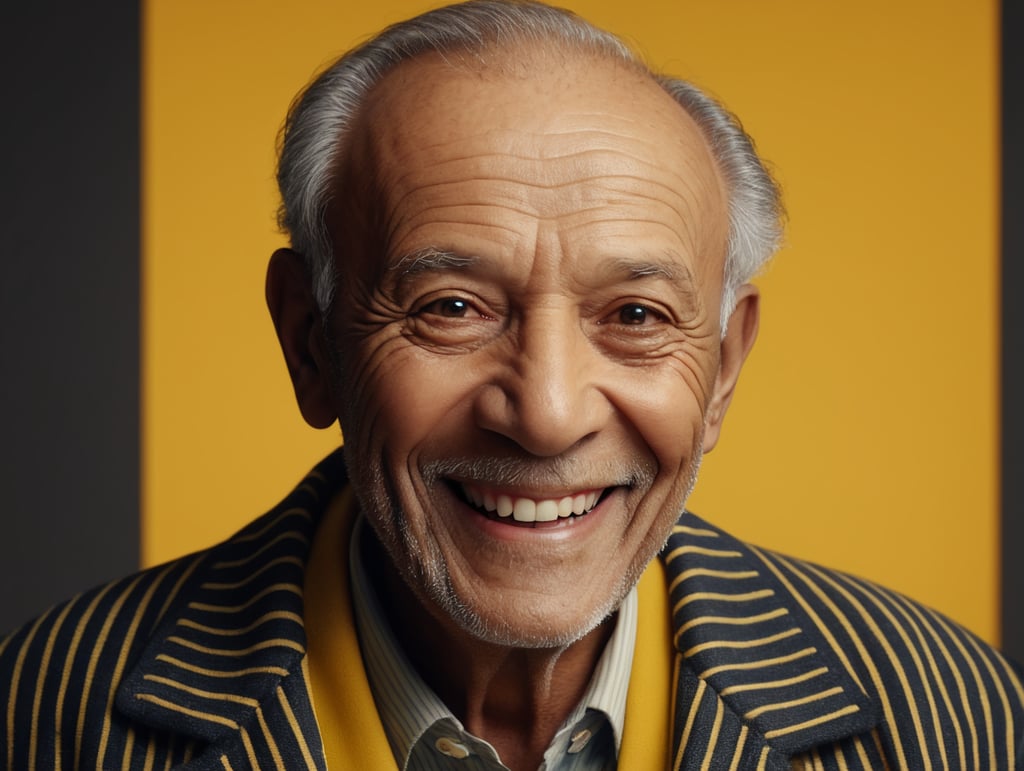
<point>533,328</point>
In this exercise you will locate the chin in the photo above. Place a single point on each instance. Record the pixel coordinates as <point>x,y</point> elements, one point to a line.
<point>515,631</point>
<point>551,626</point>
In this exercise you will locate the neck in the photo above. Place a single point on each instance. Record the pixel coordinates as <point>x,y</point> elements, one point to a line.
<point>514,698</point>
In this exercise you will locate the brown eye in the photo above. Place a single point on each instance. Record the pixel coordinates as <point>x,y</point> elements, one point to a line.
<point>450,307</point>
<point>634,314</point>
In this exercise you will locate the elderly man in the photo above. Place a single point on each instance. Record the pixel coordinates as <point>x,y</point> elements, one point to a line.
<point>518,280</point>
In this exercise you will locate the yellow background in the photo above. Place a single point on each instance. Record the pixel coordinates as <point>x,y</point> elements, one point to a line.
<point>864,434</point>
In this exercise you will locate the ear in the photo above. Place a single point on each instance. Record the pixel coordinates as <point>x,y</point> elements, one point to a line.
<point>739,339</point>
<point>300,332</point>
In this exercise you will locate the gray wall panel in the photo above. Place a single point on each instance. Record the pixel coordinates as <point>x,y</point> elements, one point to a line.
<point>69,309</point>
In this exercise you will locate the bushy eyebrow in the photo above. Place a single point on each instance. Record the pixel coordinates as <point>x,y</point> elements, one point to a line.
<point>644,268</point>
<point>671,268</point>
<point>428,259</point>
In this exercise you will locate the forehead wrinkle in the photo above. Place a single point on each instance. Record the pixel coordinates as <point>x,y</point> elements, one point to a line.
<point>429,199</point>
<point>584,164</point>
<point>526,145</point>
<point>426,205</point>
<point>684,231</point>
<point>543,169</point>
<point>416,230</point>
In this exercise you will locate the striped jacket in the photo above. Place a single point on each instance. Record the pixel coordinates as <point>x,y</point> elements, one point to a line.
<point>778,664</point>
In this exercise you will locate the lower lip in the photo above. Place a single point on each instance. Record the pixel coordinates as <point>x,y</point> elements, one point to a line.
<point>508,529</point>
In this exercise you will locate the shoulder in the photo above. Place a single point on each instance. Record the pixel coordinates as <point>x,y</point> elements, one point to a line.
<point>69,679</point>
<point>910,656</point>
<point>943,691</point>
<point>59,673</point>
<point>939,690</point>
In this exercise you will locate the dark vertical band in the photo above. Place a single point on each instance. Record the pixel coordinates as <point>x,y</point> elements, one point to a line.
<point>1013,329</point>
<point>69,300</point>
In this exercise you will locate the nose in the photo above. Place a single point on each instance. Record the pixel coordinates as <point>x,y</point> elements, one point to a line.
<point>545,393</point>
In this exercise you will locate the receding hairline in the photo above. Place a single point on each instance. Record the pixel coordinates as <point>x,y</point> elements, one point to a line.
<point>492,59</point>
<point>355,157</point>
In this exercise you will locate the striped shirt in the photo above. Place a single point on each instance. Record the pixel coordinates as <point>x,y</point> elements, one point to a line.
<point>423,732</point>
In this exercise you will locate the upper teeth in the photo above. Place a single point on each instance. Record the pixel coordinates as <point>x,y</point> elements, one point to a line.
<point>532,509</point>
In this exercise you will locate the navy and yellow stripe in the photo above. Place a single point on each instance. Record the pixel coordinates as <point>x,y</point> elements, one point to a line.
<point>794,657</point>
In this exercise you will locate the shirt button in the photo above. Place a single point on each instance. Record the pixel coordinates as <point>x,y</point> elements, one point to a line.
<point>579,741</point>
<point>451,748</point>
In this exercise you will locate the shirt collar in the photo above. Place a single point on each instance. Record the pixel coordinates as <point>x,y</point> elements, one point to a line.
<point>408,707</point>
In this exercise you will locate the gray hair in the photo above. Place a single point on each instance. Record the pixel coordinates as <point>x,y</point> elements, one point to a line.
<point>313,138</point>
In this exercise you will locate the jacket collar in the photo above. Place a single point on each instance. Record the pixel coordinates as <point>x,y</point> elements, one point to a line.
<point>753,640</point>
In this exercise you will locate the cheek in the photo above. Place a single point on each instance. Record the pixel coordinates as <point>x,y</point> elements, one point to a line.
<point>395,395</point>
<point>667,405</point>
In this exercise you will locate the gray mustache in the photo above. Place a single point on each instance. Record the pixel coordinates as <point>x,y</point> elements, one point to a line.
<point>569,472</point>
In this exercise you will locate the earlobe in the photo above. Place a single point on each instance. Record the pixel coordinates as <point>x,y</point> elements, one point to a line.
<point>739,339</point>
<point>299,331</point>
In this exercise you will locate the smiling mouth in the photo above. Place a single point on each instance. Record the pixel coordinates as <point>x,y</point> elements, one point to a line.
<point>525,510</point>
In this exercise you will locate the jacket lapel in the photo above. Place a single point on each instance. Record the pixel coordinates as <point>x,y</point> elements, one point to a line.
<point>225,667</point>
<point>757,681</point>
